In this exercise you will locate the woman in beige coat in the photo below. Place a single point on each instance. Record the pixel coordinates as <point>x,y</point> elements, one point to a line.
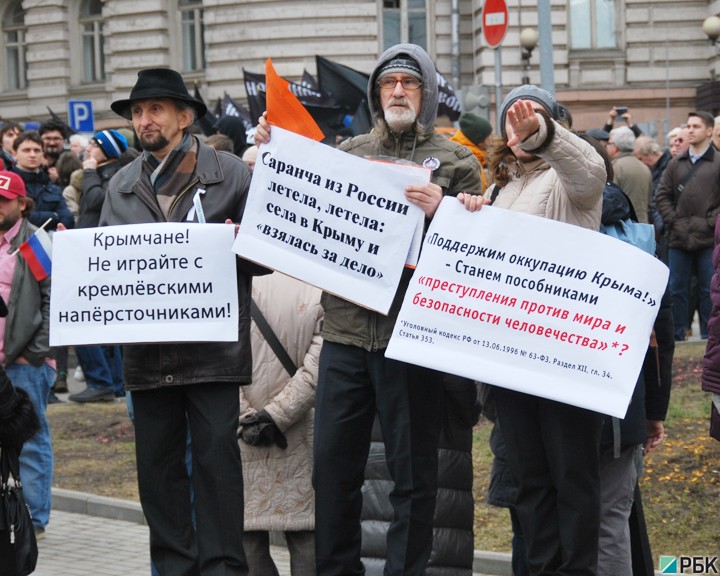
<point>553,449</point>
<point>276,426</point>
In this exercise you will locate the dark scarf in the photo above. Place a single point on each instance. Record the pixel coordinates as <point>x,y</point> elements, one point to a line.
<point>174,174</point>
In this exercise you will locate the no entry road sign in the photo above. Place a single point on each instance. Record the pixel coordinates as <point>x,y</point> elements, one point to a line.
<point>495,22</point>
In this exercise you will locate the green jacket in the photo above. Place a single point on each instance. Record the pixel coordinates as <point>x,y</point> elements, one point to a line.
<point>459,171</point>
<point>454,168</point>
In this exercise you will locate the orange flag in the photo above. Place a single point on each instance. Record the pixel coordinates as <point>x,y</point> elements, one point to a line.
<point>285,110</point>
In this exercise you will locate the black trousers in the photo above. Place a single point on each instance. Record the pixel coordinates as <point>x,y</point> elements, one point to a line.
<point>354,384</point>
<point>553,450</point>
<point>213,546</point>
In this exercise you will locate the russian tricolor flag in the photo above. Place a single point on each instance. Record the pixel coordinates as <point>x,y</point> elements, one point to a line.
<point>37,251</point>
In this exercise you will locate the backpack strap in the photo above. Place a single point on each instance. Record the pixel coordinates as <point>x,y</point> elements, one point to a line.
<point>686,178</point>
<point>633,214</point>
<point>494,194</point>
<point>271,338</point>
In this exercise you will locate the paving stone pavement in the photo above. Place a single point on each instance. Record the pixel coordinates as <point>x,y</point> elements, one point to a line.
<point>84,545</point>
<point>91,535</point>
<point>78,544</point>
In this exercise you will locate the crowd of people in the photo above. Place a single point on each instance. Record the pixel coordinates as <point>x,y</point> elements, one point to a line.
<point>335,444</point>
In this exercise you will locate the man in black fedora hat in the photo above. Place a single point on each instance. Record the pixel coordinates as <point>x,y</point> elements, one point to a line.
<point>185,387</point>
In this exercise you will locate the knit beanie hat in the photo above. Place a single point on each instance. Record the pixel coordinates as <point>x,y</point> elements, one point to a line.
<point>474,127</point>
<point>112,143</point>
<point>402,64</point>
<point>528,92</point>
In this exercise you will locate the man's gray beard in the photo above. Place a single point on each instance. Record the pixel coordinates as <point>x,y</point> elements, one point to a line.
<point>400,120</point>
<point>155,145</point>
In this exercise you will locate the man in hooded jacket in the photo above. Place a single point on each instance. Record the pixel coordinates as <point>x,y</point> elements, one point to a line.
<point>355,379</point>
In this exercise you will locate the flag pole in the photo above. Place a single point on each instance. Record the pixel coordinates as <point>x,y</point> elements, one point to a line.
<point>36,231</point>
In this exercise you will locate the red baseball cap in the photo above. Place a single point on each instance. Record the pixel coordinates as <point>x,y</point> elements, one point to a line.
<point>11,185</point>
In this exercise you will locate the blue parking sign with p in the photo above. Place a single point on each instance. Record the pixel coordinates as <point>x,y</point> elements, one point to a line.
<point>80,115</point>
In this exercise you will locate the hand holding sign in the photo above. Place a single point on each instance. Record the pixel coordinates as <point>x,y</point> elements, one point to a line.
<point>331,219</point>
<point>570,325</point>
<point>427,197</point>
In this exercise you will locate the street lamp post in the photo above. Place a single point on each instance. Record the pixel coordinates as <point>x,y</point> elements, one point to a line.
<point>528,41</point>
<point>711,27</point>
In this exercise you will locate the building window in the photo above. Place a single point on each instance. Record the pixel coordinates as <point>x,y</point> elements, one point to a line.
<point>404,21</point>
<point>192,33</point>
<point>592,24</point>
<point>13,24</point>
<point>91,25</point>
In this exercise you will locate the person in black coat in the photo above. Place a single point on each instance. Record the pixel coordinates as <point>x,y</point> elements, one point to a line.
<point>453,542</point>
<point>625,441</point>
<point>18,423</point>
<point>624,545</point>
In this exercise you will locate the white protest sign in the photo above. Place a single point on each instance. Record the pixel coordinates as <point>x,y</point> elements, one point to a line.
<point>531,304</point>
<point>164,282</point>
<point>331,219</point>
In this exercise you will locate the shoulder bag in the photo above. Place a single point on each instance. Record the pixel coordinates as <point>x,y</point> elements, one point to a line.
<point>18,546</point>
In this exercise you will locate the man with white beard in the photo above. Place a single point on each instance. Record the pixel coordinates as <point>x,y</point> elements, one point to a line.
<point>356,381</point>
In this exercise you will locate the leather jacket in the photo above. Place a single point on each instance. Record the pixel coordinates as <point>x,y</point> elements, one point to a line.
<point>130,199</point>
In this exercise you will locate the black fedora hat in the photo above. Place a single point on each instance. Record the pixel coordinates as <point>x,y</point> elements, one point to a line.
<point>158,83</point>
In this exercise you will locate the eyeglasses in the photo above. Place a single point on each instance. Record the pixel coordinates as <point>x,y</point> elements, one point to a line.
<point>408,83</point>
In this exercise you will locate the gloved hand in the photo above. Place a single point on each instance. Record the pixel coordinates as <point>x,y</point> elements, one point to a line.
<point>258,429</point>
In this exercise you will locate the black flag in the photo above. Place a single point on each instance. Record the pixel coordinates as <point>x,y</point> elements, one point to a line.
<point>68,129</point>
<point>309,81</point>
<point>232,108</point>
<point>448,102</point>
<point>255,88</point>
<point>311,97</point>
<point>326,113</point>
<point>329,119</point>
<point>207,122</point>
<point>347,86</point>
<point>361,121</point>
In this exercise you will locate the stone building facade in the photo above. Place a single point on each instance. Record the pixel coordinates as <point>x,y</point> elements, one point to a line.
<point>651,55</point>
